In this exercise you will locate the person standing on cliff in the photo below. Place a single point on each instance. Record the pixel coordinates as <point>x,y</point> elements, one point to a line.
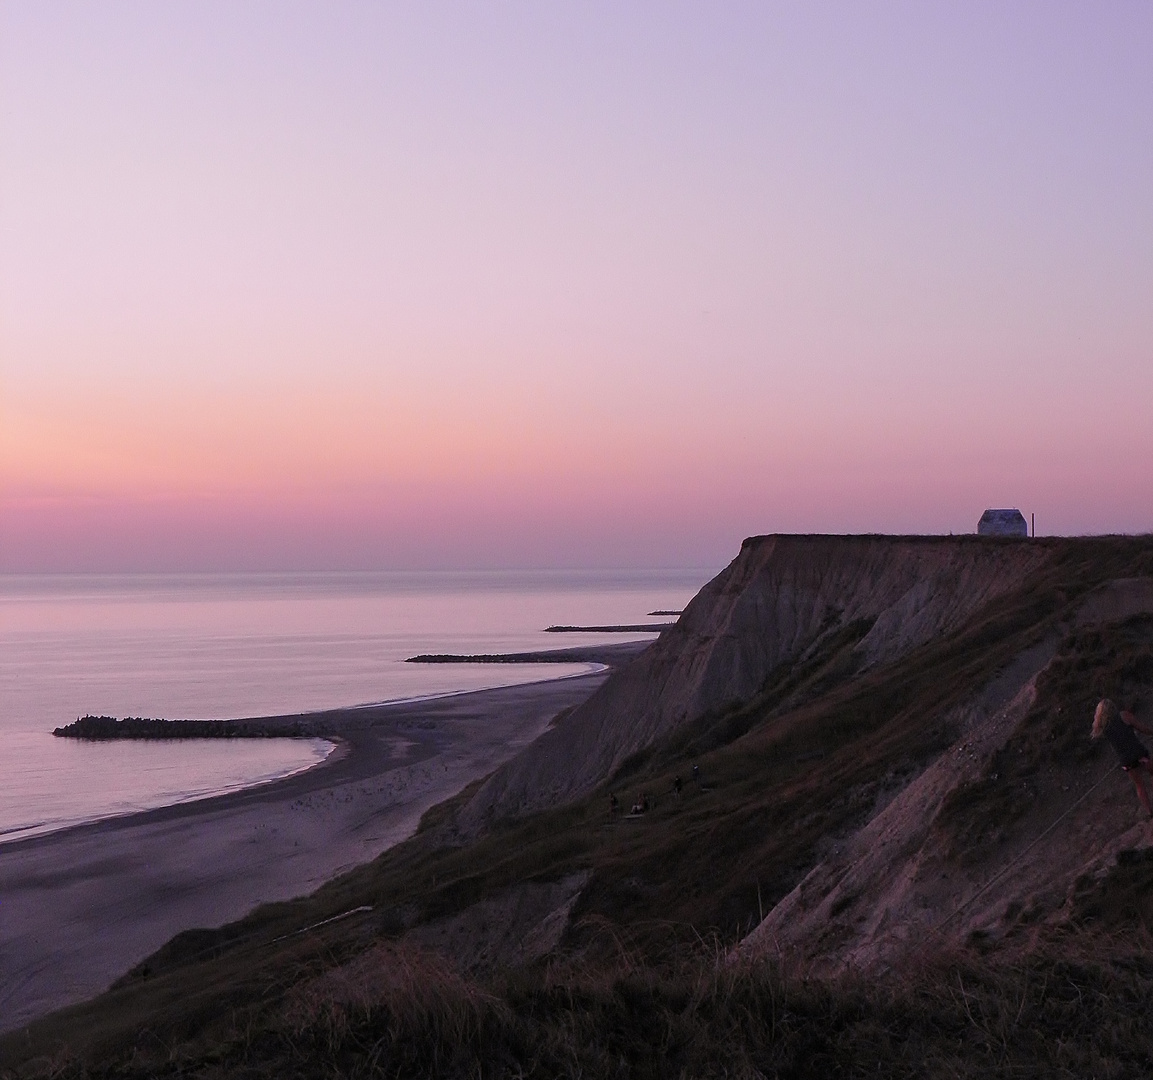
<point>1119,727</point>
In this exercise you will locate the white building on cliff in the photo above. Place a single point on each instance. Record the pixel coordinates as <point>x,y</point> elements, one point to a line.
<point>1002,523</point>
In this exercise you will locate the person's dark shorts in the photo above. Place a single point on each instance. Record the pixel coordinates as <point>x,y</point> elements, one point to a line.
<point>1132,763</point>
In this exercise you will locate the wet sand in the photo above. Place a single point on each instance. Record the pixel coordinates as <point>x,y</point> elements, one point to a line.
<point>80,907</point>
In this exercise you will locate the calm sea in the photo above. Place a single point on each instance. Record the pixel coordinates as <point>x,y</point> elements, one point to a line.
<point>232,645</point>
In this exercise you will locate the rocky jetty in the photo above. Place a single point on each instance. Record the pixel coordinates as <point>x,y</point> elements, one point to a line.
<point>139,727</point>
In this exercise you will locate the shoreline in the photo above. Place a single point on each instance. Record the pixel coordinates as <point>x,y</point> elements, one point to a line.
<point>340,747</point>
<point>45,829</point>
<point>83,904</point>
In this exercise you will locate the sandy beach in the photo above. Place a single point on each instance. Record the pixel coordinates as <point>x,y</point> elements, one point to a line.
<point>81,906</point>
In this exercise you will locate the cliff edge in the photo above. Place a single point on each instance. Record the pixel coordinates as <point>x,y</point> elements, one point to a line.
<point>784,598</point>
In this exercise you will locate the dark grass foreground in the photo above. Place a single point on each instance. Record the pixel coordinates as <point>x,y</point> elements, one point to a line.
<point>395,1012</point>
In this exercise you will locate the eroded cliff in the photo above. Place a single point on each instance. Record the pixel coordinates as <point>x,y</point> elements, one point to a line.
<point>1009,832</point>
<point>780,601</point>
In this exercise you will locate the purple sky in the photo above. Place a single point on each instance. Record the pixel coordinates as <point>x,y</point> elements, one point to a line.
<point>363,285</point>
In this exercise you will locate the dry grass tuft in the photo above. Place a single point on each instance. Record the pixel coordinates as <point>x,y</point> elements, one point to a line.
<point>393,986</point>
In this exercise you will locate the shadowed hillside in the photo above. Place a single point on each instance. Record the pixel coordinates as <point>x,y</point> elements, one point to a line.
<point>900,853</point>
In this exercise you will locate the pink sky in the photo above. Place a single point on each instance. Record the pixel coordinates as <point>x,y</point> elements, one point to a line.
<point>346,285</point>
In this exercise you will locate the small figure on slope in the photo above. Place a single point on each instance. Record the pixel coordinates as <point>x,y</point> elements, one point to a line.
<point>1118,727</point>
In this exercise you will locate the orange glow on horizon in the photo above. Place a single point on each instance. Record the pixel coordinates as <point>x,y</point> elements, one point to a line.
<point>396,288</point>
